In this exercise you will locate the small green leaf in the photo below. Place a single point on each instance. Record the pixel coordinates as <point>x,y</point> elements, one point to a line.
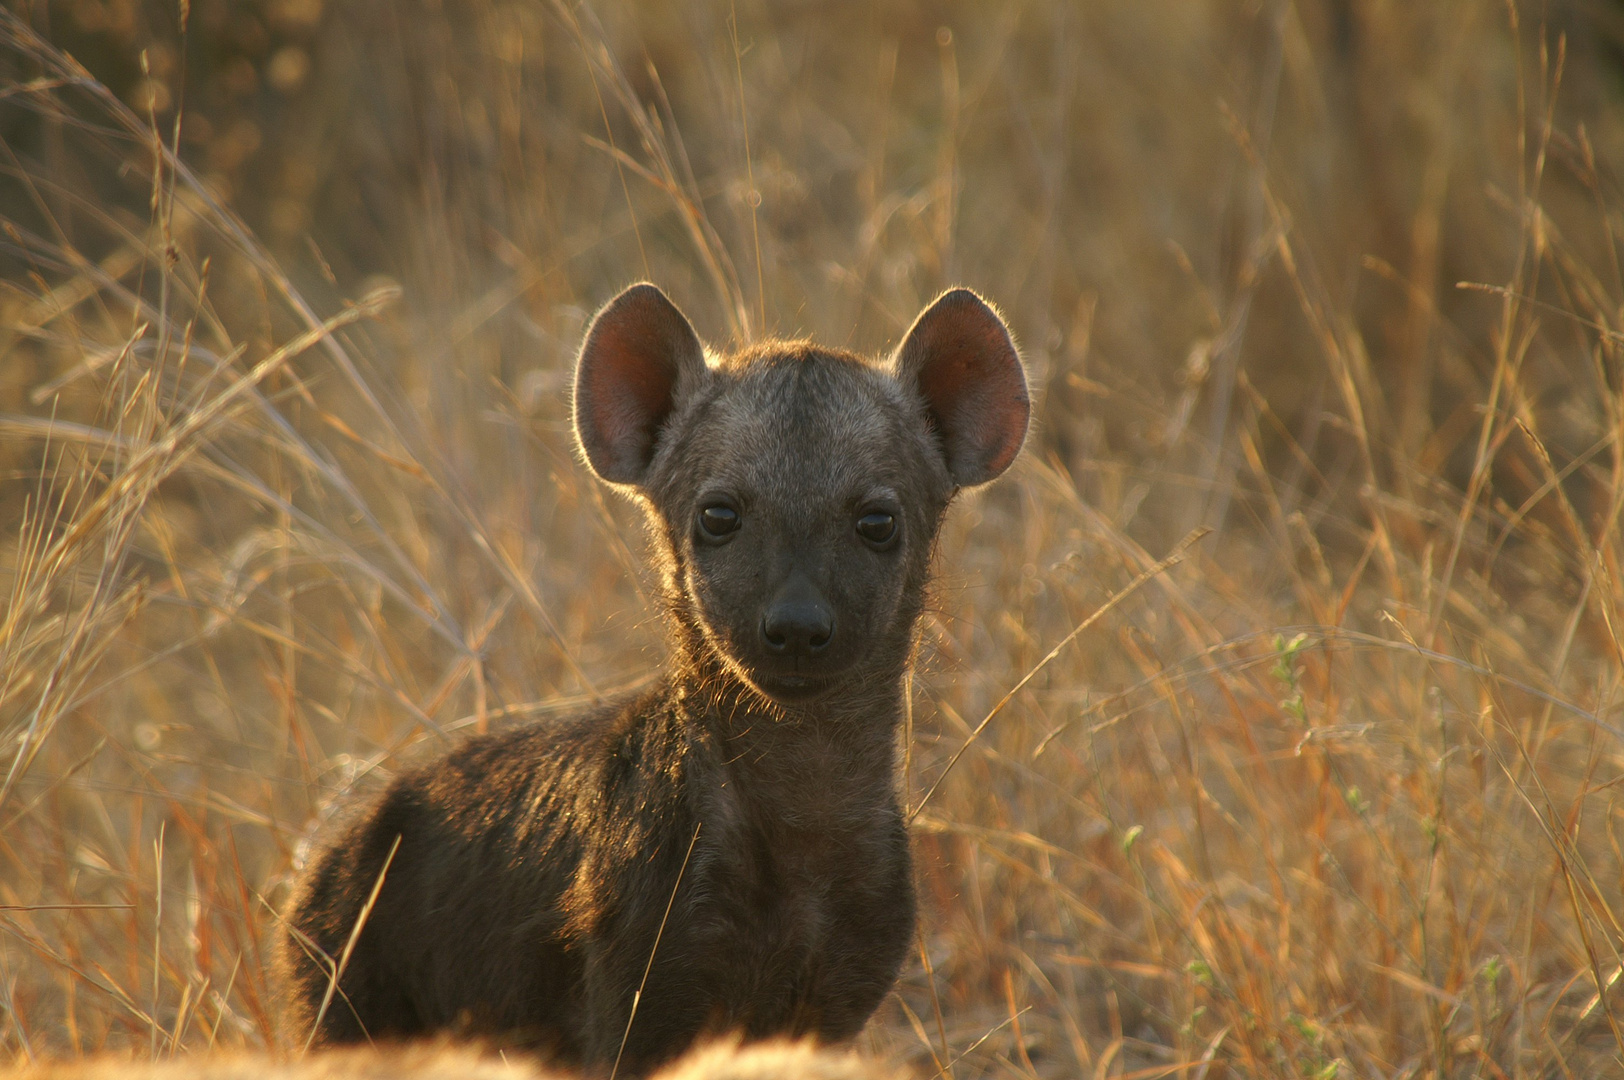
<point>1285,663</point>
<point>1188,1027</point>
<point>1305,1027</point>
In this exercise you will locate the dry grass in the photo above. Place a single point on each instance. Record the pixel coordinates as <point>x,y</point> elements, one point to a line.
<point>1336,795</point>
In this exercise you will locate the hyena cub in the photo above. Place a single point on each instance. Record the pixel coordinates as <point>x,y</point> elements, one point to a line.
<point>793,496</point>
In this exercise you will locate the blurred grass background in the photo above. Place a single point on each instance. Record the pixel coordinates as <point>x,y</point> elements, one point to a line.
<point>289,298</point>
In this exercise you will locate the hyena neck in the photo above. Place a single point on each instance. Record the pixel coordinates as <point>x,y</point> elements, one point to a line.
<point>820,766</point>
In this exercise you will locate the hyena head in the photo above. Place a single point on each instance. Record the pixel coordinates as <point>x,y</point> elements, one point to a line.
<point>794,492</point>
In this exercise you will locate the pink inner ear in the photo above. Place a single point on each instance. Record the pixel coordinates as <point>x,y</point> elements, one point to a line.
<point>970,376</point>
<point>635,353</point>
<point>629,400</point>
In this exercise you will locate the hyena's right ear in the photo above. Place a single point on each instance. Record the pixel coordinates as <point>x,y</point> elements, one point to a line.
<point>640,356</point>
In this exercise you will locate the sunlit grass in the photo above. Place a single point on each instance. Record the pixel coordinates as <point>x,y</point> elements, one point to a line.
<point>1336,794</point>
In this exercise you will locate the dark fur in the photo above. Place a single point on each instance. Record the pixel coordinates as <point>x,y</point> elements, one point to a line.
<point>535,865</point>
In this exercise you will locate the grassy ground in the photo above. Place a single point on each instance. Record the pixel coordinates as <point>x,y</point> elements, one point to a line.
<point>281,502</point>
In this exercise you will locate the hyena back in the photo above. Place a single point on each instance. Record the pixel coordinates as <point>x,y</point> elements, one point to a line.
<point>793,496</point>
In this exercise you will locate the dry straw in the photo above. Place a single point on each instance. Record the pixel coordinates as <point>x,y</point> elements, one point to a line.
<point>285,495</point>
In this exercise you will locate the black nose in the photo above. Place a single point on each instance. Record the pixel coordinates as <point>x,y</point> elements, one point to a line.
<point>797,627</point>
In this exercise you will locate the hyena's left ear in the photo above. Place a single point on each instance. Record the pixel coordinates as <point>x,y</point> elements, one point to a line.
<point>639,359</point>
<point>960,357</point>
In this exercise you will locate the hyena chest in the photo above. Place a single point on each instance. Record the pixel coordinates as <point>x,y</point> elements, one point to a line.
<point>810,928</point>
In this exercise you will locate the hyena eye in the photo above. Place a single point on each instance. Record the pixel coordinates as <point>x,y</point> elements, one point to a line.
<point>878,528</point>
<point>719,522</point>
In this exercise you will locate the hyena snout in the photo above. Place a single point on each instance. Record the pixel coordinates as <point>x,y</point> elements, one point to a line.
<point>798,621</point>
